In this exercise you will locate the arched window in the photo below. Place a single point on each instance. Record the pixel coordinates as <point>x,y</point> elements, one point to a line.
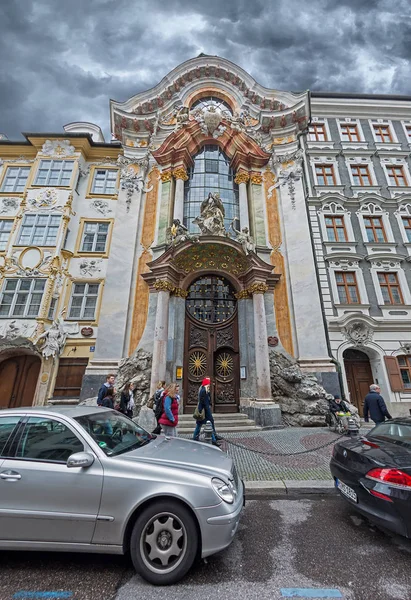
<point>208,101</point>
<point>211,173</point>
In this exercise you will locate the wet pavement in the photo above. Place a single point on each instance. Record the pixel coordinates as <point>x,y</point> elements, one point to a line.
<point>283,546</point>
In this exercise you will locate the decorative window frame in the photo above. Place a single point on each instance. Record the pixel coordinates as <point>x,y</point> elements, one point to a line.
<point>78,252</point>
<point>404,210</point>
<point>322,159</point>
<point>34,173</point>
<point>67,299</point>
<point>406,124</point>
<point>397,161</point>
<point>334,208</point>
<point>361,143</point>
<point>19,165</point>
<point>362,161</point>
<point>394,145</point>
<point>2,252</point>
<point>90,193</point>
<point>49,213</point>
<point>390,265</point>
<point>348,263</point>
<point>329,142</point>
<point>371,208</point>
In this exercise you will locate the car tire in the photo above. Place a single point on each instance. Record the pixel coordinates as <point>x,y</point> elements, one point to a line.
<point>164,542</point>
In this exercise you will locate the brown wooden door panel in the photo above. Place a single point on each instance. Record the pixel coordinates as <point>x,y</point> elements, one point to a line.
<point>19,376</point>
<point>359,379</point>
<point>69,377</point>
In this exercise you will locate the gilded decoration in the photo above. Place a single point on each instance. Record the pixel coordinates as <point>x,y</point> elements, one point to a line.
<point>213,257</point>
<point>162,285</point>
<point>180,173</point>
<point>257,288</point>
<point>180,293</point>
<point>242,177</point>
<point>242,295</point>
<point>256,178</point>
<point>166,176</point>
<point>281,304</point>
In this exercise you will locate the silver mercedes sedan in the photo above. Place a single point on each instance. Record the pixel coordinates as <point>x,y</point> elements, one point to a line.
<point>88,479</point>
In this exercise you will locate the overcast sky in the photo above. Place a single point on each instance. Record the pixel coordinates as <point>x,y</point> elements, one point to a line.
<point>62,60</point>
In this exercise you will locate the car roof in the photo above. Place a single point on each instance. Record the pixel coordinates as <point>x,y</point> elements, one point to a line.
<point>68,411</point>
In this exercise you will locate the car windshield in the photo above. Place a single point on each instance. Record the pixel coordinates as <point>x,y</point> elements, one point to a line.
<point>393,432</point>
<point>113,432</point>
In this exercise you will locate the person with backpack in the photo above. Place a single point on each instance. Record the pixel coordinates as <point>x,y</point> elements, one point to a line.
<point>158,405</point>
<point>169,418</point>
<point>204,403</point>
<point>109,383</point>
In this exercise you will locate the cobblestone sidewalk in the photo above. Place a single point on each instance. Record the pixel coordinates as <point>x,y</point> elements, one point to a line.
<point>254,453</point>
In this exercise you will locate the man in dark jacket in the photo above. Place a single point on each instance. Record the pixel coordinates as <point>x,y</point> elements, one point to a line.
<point>102,393</point>
<point>374,406</point>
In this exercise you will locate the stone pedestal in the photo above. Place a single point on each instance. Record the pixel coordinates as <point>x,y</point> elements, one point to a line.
<point>265,414</point>
<point>262,364</point>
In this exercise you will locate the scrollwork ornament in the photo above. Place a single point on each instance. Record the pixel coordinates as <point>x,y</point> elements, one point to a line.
<point>9,205</point>
<point>180,173</point>
<point>101,206</point>
<point>166,176</point>
<point>358,333</point>
<point>242,177</point>
<point>242,295</point>
<point>257,288</point>
<point>180,293</point>
<point>57,148</point>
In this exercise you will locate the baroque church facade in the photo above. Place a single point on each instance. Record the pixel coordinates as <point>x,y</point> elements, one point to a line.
<point>222,222</point>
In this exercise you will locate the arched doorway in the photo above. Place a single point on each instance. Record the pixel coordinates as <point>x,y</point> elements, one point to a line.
<point>18,376</point>
<point>211,343</point>
<point>359,376</point>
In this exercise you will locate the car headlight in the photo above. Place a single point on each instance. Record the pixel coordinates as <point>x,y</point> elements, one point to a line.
<point>223,490</point>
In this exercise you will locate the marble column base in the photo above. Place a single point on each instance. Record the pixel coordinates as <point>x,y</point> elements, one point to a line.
<point>95,375</point>
<point>265,413</point>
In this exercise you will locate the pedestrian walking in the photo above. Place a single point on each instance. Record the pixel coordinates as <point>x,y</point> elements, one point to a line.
<point>127,400</point>
<point>169,418</point>
<point>374,406</point>
<point>109,383</point>
<point>158,405</point>
<point>108,400</point>
<point>204,403</point>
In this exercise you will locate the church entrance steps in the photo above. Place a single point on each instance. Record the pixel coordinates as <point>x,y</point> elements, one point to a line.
<point>224,423</point>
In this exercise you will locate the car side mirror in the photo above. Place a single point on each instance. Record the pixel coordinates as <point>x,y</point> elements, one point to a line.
<point>80,459</point>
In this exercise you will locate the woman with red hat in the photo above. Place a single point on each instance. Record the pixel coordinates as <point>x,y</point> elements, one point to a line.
<point>204,402</point>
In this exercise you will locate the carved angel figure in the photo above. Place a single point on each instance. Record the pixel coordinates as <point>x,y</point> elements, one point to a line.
<point>176,233</point>
<point>245,239</point>
<point>212,213</point>
<point>55,336</point>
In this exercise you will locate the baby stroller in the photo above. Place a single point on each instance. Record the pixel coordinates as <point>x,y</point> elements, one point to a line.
<point>338,420</point>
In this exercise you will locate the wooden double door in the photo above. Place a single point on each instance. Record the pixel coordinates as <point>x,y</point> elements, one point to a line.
<point>18,377</point>
<point>359,376</point>
<point>212,351</point>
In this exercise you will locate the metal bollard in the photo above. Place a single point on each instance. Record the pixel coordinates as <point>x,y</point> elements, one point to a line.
<point>208,433</point>
<point>353,430</point>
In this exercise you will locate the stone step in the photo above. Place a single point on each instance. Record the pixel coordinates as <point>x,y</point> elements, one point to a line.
<point>220,430</point>
<point>220,423</point>
<point>218,417</point>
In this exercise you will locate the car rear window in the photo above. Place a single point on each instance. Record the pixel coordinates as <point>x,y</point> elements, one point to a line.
<point>393,432</point>
<point>7,425</point>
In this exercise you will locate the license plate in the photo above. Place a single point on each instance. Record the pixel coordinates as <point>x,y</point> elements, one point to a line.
<point>346,490</point>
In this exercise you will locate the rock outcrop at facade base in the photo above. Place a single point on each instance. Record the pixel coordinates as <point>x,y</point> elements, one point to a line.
<point>303,401</point>
<point>135,368</point>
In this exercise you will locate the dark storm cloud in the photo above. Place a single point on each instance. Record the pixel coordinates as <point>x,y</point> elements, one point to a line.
<point>62,61</point>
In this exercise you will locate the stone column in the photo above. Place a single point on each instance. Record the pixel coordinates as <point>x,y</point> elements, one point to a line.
<point>180,175</point>
<point>262,363</point>
<point>241,180</point>
<point>158,369</point>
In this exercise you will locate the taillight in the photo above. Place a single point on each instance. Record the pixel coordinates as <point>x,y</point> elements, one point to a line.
<point>393,477</point>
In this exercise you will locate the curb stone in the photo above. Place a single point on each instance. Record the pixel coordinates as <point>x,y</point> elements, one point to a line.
<point>287,487</point>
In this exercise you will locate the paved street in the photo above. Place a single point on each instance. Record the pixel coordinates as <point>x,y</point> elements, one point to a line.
<point>316,542</point>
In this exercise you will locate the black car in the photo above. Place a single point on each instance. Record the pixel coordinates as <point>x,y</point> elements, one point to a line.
<point>373,473</point>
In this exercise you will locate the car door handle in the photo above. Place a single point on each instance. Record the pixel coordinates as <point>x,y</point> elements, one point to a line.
<point>10,475</point>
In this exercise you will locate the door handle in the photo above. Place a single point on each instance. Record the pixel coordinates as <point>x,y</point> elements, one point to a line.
<point>10,475</point>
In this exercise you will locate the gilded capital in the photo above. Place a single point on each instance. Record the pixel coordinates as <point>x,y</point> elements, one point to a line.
<point>242,295</point>
<point>180,173</point>
<point>242,177</point>
<point>162,285</point>
<point>165,176</point>
<point>256,178</point>
<point>258,288</point>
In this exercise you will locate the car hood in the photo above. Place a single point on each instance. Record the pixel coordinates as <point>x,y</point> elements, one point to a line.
<point>183,454</point>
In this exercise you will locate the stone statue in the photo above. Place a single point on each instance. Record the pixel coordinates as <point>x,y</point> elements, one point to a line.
<point>55,336</point>
<point>211,219</point>
<point>244,238</point>
<point>182,117</point>
<point>177,233</point>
